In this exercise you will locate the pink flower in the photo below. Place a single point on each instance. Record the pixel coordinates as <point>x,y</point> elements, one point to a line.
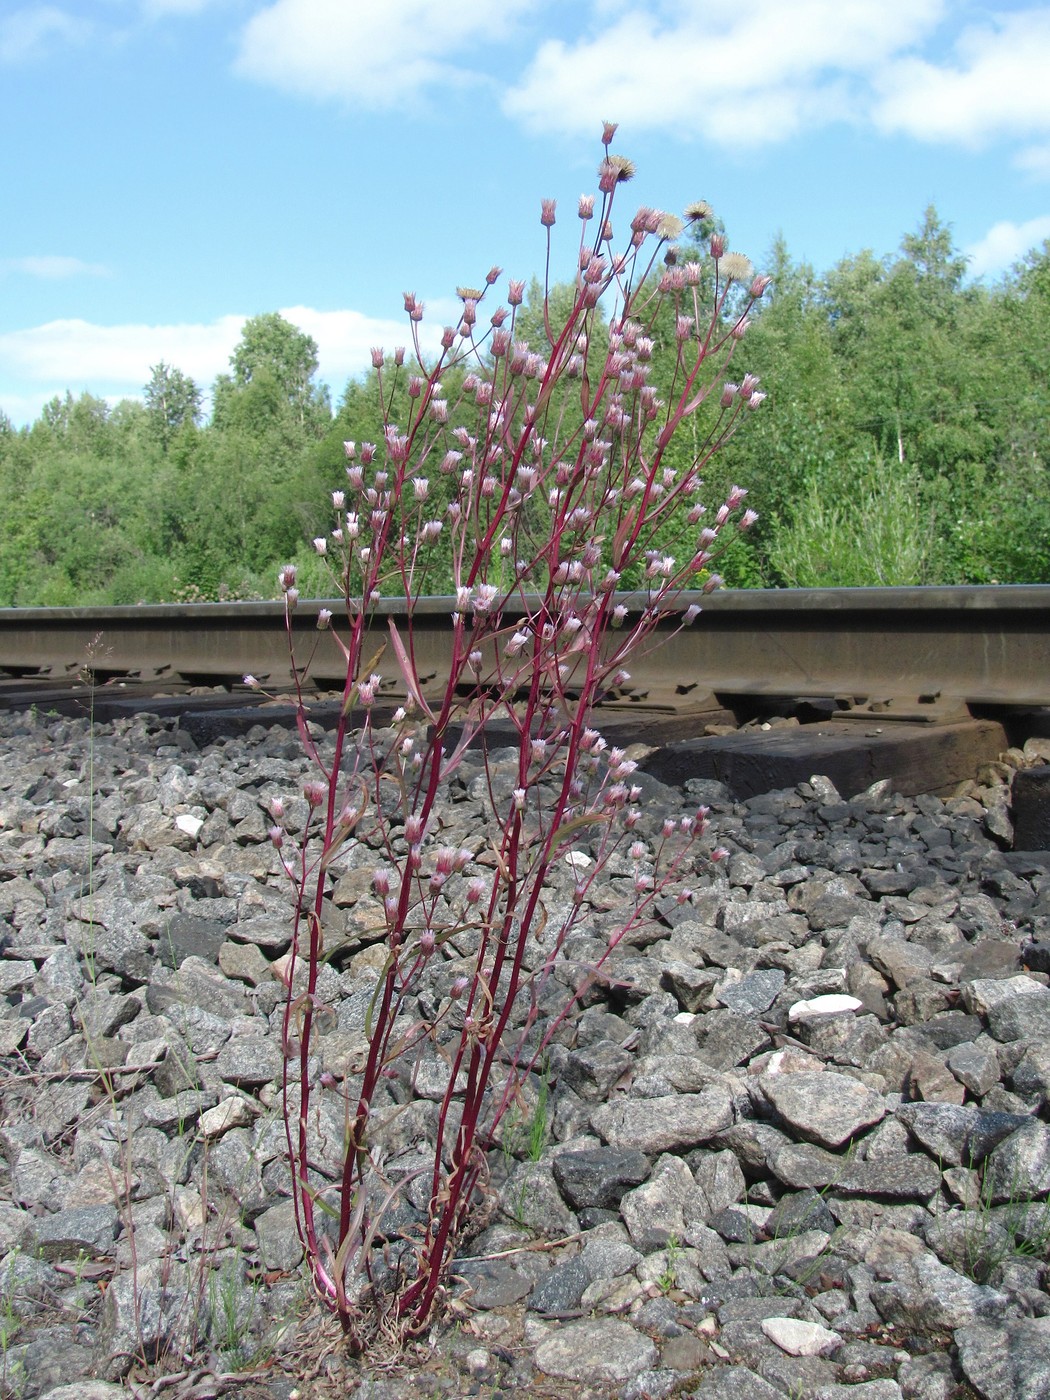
<point>547,209</point>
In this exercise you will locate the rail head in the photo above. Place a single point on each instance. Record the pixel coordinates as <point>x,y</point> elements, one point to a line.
<point>975,645</point>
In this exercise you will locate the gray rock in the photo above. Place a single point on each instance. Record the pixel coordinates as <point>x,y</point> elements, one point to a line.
<point>925,1293</point>
<point>250,1059</point>
<point>726,1039</point>
<point>929,1377</point>
<point>88,1230</point>
<point>86,1390</point>
<point>881,1389</point>
<point>822,1106</point>
<point>1007,1362</point>
<point>598,1176</point>
<point>189,935</point>
<point>656,1212</point>
<point>277,1238</point>
<point>957,1133</point>
<point>493,1283</point>
<point>754,993</point>
<point>975,1067</point>
<point>531,1198</point>
<point>101,1013</point>
<point>145,1313</point>
<point>735,1383</point>
<point>605,1350</point>
<point>195,983</point>
<point>1019,1168</point>
<point>593,1070</point>
<point>561,1288</point>
<point>664,1124</point>
<point>911,1176</point>
<point>607,1257</point>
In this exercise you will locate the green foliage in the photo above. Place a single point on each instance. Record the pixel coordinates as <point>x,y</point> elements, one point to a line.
<point>904,438</point>
<point>866,527</point>
<point>172,401</point>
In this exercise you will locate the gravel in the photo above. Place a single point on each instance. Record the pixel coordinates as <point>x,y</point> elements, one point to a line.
<point>796,1139</point>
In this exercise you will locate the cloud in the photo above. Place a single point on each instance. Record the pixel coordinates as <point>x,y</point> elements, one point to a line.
<point>28,33</point>
<point>995,86</point>
<point>374,53</point>
<point>1005,244</point>
<point>735,76</point>
<point>52,267</point>
<point>113,361</point>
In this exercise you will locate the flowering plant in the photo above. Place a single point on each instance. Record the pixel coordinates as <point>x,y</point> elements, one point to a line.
<point>557,486</point>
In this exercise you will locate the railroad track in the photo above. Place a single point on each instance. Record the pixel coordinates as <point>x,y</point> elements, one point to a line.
<point>896,660</point>
<point>978,646</point>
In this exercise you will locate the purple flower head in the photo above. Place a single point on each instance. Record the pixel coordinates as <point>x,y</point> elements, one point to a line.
<point>314,791</point>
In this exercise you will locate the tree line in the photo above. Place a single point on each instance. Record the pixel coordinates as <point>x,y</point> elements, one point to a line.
<point>904,440</point>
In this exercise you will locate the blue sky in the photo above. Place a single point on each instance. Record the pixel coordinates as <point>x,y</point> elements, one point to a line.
<point>176,166</point>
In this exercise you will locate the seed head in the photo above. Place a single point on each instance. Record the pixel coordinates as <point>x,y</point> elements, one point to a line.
<point>736,268</point>
<point>547,208</point>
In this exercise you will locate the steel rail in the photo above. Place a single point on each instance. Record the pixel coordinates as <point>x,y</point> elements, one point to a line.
<point>973,645</point>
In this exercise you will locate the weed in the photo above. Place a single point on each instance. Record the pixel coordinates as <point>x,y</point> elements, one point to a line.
<point>551,475</point>
<point>669,1277</point>
<point>992,1233</point>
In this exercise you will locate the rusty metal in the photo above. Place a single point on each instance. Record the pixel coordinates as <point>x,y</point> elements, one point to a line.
<point>927,652</point>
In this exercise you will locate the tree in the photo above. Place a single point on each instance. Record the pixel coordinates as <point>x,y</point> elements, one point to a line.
<point>172,401</point>
<point>272,349</point>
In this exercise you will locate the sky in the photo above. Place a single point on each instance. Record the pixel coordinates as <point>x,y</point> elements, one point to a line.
<point>173,167</point>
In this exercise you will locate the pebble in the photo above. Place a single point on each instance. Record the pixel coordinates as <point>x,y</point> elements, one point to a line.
<point>799,1122</point>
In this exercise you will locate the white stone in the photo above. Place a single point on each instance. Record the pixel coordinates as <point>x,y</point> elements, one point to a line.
<point>800,1338</point>
<point>190,824</point>
<point>578,861</point>
<point>834,1004</point>
<point>230,1113</point>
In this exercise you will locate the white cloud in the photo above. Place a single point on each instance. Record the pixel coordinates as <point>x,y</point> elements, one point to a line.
<point>374,53</point>
<point>27,33</point>
<point>739,76</point>
<point>1005,243</point>
<point>112,361</point>
<point>52,267</point>
<point>80,353</point>
<point>995,86</point>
